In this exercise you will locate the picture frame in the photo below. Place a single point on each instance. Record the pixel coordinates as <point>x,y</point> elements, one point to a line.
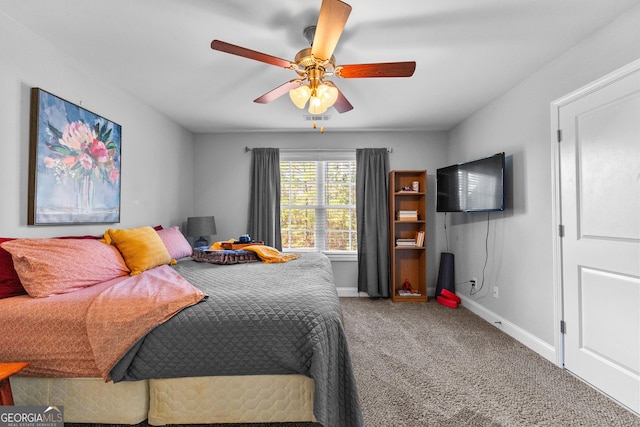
<point>74,164</point>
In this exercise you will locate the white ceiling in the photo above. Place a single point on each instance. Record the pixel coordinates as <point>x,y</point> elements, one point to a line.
<point>468,52</point>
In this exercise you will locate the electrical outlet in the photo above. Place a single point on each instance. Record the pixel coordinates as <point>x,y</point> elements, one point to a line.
<point>496,292</point>
<point>474,283</point>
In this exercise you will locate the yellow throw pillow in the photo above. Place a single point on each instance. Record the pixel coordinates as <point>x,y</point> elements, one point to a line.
<point>141,248</point>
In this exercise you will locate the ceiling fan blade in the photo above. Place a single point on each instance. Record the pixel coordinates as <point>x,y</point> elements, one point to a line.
<point>331,21</point>
<point>278,92</point>
<point>381,69</point>
<point>248,53</point>
<point>342,105</point>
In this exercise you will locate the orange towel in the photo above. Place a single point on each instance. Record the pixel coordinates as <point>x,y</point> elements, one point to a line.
<point>267,254</point>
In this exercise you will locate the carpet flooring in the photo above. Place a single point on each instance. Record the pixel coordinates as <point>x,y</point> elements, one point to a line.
<point>428,365</point>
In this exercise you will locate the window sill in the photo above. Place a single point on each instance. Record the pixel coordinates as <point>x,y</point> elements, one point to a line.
<point>342,257</point>
<point>333,256</point>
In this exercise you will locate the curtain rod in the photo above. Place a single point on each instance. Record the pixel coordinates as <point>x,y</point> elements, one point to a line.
<point>247,149</point>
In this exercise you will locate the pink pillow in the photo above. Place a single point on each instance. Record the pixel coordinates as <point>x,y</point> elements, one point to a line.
<point>9,281</point>
<point>175,242</point>
<point>58,266</point>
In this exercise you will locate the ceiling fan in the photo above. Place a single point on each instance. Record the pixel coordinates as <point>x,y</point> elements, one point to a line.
<point>313,65</point>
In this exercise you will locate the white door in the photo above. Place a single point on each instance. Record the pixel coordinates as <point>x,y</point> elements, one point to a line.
<point>600,211</point>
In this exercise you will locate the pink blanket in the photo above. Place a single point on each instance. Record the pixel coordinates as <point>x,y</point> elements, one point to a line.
<point>83,333</point>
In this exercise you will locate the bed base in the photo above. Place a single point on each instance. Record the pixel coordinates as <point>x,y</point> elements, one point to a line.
<point>198,400</point>
<point>86,400</point>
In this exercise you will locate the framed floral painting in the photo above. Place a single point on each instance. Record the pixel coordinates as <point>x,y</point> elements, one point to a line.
<point>74,164</point>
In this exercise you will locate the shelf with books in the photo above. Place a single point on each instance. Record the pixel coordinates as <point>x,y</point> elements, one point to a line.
<point>407,212</point>
<point>416,242</point>
<point>407,215</point>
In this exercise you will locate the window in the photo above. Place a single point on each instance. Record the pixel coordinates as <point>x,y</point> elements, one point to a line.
<point>318,202</point>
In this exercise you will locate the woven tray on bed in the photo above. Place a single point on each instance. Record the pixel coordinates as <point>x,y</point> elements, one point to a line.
<point>224,256</point>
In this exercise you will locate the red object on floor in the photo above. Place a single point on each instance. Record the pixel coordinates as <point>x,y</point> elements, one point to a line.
<point>446,302</point>
<point>450,295</point>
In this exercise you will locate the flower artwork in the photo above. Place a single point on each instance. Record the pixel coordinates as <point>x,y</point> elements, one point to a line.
<point>74,164</point>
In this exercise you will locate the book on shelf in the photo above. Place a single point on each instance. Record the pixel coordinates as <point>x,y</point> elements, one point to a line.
<point>407,215</point>
<point>404,293</point>
<point>405,242</point>
<point>419,238</point>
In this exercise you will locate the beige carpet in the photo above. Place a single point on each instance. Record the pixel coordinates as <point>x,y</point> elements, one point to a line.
<point>428,365</point>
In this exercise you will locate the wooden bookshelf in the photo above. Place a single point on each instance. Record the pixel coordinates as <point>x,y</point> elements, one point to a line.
<point>407,217</point>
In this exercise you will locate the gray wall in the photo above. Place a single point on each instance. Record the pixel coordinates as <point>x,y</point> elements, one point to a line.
<point>156,152</point>
<point>222,178</point>
<point>520,239</point>
<point>168,174</point>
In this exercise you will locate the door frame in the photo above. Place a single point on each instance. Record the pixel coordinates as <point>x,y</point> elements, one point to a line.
<point>556,206</point>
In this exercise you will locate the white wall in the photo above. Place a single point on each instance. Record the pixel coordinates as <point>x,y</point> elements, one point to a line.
<point>222,178</point>
<point>520,239</point>
<point>156,152</point>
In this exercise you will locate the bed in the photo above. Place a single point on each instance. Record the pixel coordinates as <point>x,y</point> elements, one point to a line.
<point>265,344</point>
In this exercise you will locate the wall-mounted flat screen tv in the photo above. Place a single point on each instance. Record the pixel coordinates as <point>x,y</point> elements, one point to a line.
<point>475,186</point>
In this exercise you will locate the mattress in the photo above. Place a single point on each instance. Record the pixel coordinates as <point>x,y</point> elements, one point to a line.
<point>86,400</point>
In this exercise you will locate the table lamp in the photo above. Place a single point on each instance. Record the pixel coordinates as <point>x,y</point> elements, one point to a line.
<point>201,226</point>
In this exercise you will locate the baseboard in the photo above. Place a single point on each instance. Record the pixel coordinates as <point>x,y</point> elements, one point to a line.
<point>534,343</point>
<point>347,292</point>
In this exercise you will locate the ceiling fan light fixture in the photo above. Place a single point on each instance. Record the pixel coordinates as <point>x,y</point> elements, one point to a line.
<point>320,98</point>
<point>323,97</point>
<point>316,106</point>
<point>327,94</point>
<point>300,95</point>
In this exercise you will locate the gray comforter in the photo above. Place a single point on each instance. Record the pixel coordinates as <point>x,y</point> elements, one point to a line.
<point>258,319</point>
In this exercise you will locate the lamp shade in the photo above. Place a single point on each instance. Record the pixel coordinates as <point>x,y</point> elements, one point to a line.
<point>300,95</point>
<point>315,105</point>
<point>327,94</point>
<point>201,226</point>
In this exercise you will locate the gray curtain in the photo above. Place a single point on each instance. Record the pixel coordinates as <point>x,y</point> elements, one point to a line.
<point>372,182</point>
<point>264,202</point>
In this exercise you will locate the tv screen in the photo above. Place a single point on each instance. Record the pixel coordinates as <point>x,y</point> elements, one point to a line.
<point>475,186</point>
